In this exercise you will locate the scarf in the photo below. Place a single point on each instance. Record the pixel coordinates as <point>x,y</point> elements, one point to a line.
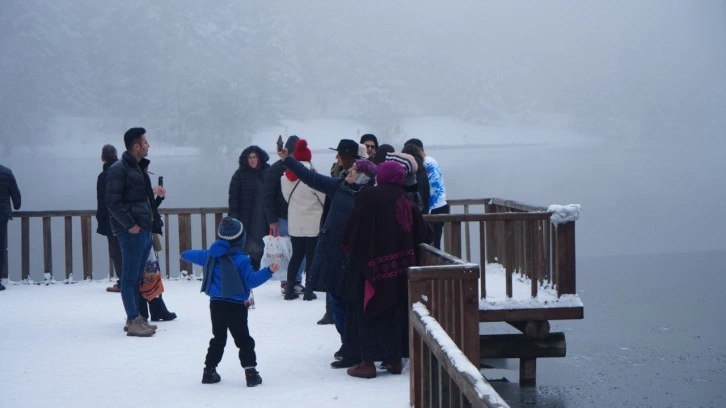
<point>231,282</point>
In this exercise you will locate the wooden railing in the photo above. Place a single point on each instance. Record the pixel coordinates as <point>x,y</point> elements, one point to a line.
<point>518,236</point>
<point>182,218</point>
<point>500,231</point>
<point>444,334</point>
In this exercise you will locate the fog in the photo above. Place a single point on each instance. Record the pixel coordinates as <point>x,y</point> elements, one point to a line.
<point>643,79</point>
<point>219,70</point>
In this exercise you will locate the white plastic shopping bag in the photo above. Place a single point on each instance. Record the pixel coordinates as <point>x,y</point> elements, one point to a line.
<point>277,250</point>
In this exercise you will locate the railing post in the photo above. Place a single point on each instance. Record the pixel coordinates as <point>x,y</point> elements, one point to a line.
<point>69,246</point>
<point>86,247</point>
<point>566,258</point>
<point>4,273</point>
<point>25,243</point>
<point>47,248</point>
<point>166,245</point>
<point>185,237</point>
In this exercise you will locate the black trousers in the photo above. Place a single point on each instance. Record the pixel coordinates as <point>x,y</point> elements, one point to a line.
<point>233,317</point>
<point>302,247</point>
<point>439,226</point>
<point>114,252</point>
<point>3,247</point>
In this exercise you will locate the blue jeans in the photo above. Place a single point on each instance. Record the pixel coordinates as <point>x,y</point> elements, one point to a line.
<point>283,232</point>
<point>135,249</point>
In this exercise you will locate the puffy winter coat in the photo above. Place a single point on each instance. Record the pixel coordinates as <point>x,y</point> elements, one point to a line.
<point>245,201</point>
<point>250,277</point>
<point>129,196</point>
<point>305,206</point>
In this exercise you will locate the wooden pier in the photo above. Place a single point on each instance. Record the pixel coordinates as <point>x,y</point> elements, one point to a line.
<point>449,287</point>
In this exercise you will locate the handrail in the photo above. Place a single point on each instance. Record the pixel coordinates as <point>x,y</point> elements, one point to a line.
<point>498,231</point>
<point>445,366</point>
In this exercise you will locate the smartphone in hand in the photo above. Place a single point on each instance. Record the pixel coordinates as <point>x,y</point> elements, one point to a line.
<point>161,181</point>
<point>279,143</point>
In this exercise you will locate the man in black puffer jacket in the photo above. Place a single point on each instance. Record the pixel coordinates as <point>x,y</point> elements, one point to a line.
<point>129,198</point>
<point>8,191</point>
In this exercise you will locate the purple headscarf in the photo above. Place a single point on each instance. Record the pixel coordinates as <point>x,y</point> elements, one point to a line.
<point>390,172</point>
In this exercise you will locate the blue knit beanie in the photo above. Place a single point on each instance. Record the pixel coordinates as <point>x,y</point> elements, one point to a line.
<point>230,229</point>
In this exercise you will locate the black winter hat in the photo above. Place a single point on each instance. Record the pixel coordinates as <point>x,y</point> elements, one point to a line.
<point>348,147</point>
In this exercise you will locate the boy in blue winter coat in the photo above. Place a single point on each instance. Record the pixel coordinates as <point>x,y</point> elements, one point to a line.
<point>228,278</point>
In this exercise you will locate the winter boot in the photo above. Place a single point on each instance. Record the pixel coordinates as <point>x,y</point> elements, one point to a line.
<point>366,369</point>
<point>115,288</point>
<point>139,328</point>
<point>309,295</point>
<point>393,367</point>
<point>2,287</point>
<point>290,293</point>
<point>344,363</point>
<point>328,316</point>
<point>253,377</point>
<point>159,312</point>
<point>210,376</point>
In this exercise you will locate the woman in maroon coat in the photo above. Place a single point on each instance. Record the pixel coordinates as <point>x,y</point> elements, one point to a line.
<point>382,234</point>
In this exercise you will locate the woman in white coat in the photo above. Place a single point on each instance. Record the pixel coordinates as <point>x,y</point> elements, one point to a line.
<point>305,207</point>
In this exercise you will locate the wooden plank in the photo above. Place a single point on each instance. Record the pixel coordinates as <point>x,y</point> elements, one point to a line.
<point>68,220</point>
<point>522,346</point>
<point>25,247</point>
<point>561,313</point>
<point>203,218</point>
<point>566,258</point>
<point>47,248</point>
<point>467,237</point>
<point>166,246</point>
<point>483,237</point>
<point>497,216</point>
<point>455,249</point>
<point>508,256</point>
<point>527,372</point>
<point>86,247</point>
<point>4,273</point>
<point>515,205</point>
<point>185,239</point>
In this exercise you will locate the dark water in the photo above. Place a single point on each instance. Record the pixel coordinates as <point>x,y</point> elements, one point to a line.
<point>653,336</point>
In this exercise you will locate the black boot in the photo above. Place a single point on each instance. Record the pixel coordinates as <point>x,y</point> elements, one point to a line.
<point>253,377</point>
<point>328,316</point>
<point>143,307</point>
<point>290,293</point>
<point>210,376</point>
<point>158,310</point>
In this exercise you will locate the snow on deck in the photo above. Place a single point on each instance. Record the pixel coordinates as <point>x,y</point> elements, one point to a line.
<point>521,293</point>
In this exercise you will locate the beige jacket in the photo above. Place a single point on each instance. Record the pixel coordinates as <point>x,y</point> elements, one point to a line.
<point>304,206</point>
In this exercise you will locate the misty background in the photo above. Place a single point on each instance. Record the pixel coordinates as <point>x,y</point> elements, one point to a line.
<point>640,84</point>
<point>212,73</point>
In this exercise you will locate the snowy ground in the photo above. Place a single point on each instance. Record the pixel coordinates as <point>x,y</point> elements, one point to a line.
<point>64,344</point>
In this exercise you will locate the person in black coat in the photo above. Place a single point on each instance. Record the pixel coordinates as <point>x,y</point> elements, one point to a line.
<point>8,191</point>
<point>246,199</point>
<point>109,156</point>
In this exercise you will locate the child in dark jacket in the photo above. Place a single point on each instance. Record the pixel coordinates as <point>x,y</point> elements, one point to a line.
<point>228,278</point>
